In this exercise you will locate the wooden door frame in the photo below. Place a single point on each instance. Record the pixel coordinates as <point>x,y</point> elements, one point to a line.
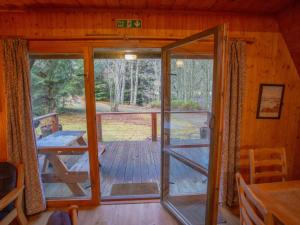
<point>220,43</point>
<point>50,47</point>
<point>86,49</point>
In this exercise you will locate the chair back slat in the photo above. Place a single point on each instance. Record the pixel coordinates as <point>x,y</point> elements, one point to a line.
<point>251,214</point>
<point>252,210</point>
<point>267,164</point>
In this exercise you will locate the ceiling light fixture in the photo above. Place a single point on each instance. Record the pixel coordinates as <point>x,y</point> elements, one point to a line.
<point>130,56</point>
<point>179,63</point>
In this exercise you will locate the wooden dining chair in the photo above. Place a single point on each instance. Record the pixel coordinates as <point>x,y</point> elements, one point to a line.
<point>11,193</point>
<point>267,165</point>
<point>252,210</point>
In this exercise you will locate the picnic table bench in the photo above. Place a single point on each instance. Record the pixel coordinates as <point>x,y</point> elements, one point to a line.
<point>50,147</point>
<point>55,145</point>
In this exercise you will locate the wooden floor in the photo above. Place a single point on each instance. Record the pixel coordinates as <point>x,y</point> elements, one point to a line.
<point>193,208</point>
<point>131,214</point>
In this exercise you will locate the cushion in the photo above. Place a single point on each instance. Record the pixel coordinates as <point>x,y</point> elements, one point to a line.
<point>8,181</point>
<point>59,218</point>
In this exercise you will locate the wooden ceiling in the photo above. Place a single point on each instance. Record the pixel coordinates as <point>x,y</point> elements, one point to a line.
<point>240,6</point>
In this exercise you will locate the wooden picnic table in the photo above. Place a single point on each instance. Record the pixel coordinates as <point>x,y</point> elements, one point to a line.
<point>62,138</point>
<point>282,199</point>
<point>52,147</point>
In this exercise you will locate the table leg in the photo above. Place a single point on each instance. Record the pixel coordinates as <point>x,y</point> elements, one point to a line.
<point>81,141</point>
<point>62,171</point>
<point>45,164</point>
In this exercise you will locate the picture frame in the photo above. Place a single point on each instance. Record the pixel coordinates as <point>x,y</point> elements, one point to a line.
<point>270,101</point>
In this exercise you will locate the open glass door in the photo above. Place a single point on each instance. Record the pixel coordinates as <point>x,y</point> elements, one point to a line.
<point>192,82</point>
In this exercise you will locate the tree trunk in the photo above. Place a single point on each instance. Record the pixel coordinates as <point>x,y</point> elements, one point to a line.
<point>131,83</point>
<point>157,73</point>
<point>136,82</point>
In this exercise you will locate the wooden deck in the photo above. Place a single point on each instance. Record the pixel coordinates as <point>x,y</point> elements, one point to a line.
<point>129,162</point>
<point>139,162</point>
<point>136,162</point>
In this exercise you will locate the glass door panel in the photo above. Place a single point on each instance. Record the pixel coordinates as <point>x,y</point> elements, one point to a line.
<point>127,99</point>
<point>187,193</point>
<point>191,87</point>
<point>60,124</point>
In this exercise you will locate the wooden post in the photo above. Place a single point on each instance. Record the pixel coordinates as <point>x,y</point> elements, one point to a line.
<point>154,126</point>
<point>99,127</point>
<point>54,123</point>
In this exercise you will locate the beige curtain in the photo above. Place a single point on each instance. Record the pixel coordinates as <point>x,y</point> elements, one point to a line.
<point>233,117</point>
<point>21,143</point>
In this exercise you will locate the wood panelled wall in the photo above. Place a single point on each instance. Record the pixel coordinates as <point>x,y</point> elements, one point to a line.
<point>161,24</point>
<point>268,59</point>
<point>289,26</point>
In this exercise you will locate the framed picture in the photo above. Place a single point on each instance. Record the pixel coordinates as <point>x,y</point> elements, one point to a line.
<point>270,101</point>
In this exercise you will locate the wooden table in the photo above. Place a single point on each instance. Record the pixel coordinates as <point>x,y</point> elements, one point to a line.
<point>282,199</point>
<point>52,147</point>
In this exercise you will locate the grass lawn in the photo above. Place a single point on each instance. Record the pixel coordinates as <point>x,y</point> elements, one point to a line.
<point>114,128</point>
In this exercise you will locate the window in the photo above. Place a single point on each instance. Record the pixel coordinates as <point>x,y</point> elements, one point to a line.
<point>60,125</point>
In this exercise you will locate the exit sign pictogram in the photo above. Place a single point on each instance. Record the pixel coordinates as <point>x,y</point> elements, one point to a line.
<point>129,23</point>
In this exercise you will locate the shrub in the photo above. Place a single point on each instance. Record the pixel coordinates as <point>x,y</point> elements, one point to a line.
<point>178,104</point>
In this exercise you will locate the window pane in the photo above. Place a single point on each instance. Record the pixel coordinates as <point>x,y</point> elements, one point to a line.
<point>58,101</point>
<point>59,120</point>
<point>191,93</point>
<point>127,94</point>
<point>187,193</point>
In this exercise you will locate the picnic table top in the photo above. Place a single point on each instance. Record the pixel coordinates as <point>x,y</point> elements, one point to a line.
<point>60,138</point>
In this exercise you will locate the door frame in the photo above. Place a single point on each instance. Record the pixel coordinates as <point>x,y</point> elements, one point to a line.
<point>51,47</point>
<point>220,47</point>
<point>86,48</point>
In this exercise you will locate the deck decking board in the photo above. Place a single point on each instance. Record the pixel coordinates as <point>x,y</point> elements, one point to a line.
<point>128,177</point>
<point>153,167</point>
<point>112,168</point>
<point>117,169</point>
<point>137,177</point>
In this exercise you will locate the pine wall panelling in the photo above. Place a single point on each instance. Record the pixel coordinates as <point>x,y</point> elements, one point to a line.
<point>268,59</point>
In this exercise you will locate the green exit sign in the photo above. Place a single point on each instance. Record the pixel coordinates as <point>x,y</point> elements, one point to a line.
<point>129,23</point>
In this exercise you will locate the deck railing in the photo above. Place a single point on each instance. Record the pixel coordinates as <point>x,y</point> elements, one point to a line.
<point>99,119</point>
<point>54,120</point>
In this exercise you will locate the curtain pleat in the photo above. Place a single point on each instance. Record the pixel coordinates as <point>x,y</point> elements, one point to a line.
<point>20,138</point>
<point>232,120</point>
